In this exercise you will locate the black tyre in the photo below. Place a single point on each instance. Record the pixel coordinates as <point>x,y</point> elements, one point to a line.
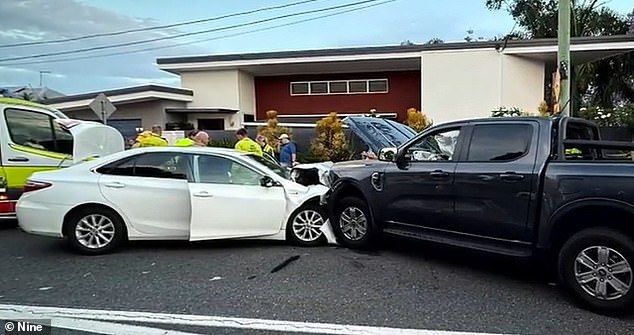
<point>95,231</point>
<point>304,226</point>
<point>595,266</point>
<point>352,223</point>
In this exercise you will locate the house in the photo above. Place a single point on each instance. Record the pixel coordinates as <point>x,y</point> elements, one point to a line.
<point>39,94</point>
<point>447,81</point>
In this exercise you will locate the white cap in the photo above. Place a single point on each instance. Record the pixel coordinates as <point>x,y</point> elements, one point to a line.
<point>283,136</point>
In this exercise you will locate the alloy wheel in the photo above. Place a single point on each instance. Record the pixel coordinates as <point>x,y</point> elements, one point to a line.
<point>353,223</point>
<point>603,273</point>
<point>95,231</point>
<point>307,225</point>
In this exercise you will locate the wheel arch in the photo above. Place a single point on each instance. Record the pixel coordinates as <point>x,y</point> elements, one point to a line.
<point>69,215</point>
<point>348,188</point>
<point>587,213</point>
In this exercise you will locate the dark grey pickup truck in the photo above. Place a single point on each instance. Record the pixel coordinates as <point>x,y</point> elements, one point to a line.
<point>514,186</point>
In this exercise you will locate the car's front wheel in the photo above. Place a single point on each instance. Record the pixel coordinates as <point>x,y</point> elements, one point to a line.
<point>304,226</point>
<point>596,266</point>
<point>353,223</point>
<point>95,231</point>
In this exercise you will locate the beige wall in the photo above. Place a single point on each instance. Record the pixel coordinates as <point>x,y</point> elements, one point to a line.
<point>230,89</point>
<point>465,84</point>
<point>150,113</point>
<point>213,89</point>
<point>523,82</point>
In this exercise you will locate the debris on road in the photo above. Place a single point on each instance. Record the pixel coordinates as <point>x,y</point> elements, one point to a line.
<point>46,288</point>
<point>145,272</point>
<point>285,263</point>
<point>251,277</point>
<point>215,278</point>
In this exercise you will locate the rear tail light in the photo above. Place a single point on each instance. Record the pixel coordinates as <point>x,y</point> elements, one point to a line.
<point>7,206</point>
<point>32,185</point>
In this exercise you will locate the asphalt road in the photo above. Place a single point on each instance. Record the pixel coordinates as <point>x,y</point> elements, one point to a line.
<point>401,285</point>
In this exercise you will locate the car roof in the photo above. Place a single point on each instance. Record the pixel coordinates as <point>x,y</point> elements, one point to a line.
<point>226,151</point>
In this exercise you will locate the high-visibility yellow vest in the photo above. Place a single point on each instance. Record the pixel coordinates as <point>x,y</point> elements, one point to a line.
<point>248,145</point>
<point>269,150</point>
<point>184,142</point>
<point>149,139</point>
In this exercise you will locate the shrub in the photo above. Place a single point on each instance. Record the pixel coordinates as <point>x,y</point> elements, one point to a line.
<point>222,143</point>
<point>417,120</point>
<point>507,112</point>
<point>272,131</point>
<point>621,116</point>
<point>330,142</point>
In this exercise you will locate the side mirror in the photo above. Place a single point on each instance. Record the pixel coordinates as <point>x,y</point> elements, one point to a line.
<point>266,181</point>
<point>387,154</point>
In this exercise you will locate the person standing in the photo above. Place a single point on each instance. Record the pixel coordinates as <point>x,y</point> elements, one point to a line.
<point>196,138</point>
<point>288,151</point>
<point>246,144</point>
<point>266,148</point>
<point>151,138</point>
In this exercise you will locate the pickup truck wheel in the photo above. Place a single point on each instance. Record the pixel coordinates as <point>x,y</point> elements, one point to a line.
<point>596,266</point>
<point>353,224</point>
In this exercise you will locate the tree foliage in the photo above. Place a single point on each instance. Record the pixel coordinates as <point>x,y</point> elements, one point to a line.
<point>330,142</point>
<point>417,120</point>
<point>605,82</point>
<point>272,130</point>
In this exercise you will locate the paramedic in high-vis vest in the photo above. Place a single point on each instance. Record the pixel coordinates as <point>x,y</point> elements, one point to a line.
<point>266,148</point>
<point>151,138</point>
<point>195,138</point>
<point>246,144</point>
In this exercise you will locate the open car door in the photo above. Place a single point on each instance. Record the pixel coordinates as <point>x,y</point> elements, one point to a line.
<point>92,139</point>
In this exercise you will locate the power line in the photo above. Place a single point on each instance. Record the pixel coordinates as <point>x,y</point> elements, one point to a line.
<point>184,34</point>
<point>129,31</point>
<point>200,41</point>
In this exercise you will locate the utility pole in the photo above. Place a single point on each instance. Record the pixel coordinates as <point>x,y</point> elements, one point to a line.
<point>41,73</point>
<point>563,57</point>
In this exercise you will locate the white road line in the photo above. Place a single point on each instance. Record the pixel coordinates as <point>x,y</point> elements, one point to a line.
<point>99,327</point>
<point>38,312</point>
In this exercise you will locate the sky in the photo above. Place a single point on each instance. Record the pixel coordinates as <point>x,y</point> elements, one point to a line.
<point>388,22</point>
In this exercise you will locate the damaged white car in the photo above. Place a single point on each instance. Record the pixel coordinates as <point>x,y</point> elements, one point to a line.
<point>172,193</point>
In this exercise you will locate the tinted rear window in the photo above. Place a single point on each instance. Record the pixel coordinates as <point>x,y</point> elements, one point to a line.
<point>502,142</point>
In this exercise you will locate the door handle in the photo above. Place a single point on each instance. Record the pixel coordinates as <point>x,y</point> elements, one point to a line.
<point>115,185</point>
<point>511,176</point>
<point>18,159</point>
<point>203,195</point>
<point>439,174</point>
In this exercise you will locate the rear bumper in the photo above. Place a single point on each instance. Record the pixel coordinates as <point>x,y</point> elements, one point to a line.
<point>7,218</point>
<point>40,218</point>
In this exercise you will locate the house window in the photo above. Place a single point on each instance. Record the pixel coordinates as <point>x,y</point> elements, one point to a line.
<point>211,124</point>
<point>299,88</point>
<point>377,86</point>
<point>338,87</point>
<point>356,86</point>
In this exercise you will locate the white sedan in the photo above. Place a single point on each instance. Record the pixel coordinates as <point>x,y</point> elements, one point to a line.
<point>171,193</point>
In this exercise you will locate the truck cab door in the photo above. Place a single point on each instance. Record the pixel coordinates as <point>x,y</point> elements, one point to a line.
<point>496,180</point>
<point>418,189</point>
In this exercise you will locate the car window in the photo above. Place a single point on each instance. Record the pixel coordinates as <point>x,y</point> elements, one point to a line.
<point>37,130</point>
<point>219,170</point>
<point>439,146</point>
<point>169,165</point>
<point>500,142</point>
<point>270,163</point>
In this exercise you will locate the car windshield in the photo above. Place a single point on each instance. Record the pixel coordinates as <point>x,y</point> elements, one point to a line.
<point>270,163</point>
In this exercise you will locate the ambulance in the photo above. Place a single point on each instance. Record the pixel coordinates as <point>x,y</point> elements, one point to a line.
<point>36,137</point>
